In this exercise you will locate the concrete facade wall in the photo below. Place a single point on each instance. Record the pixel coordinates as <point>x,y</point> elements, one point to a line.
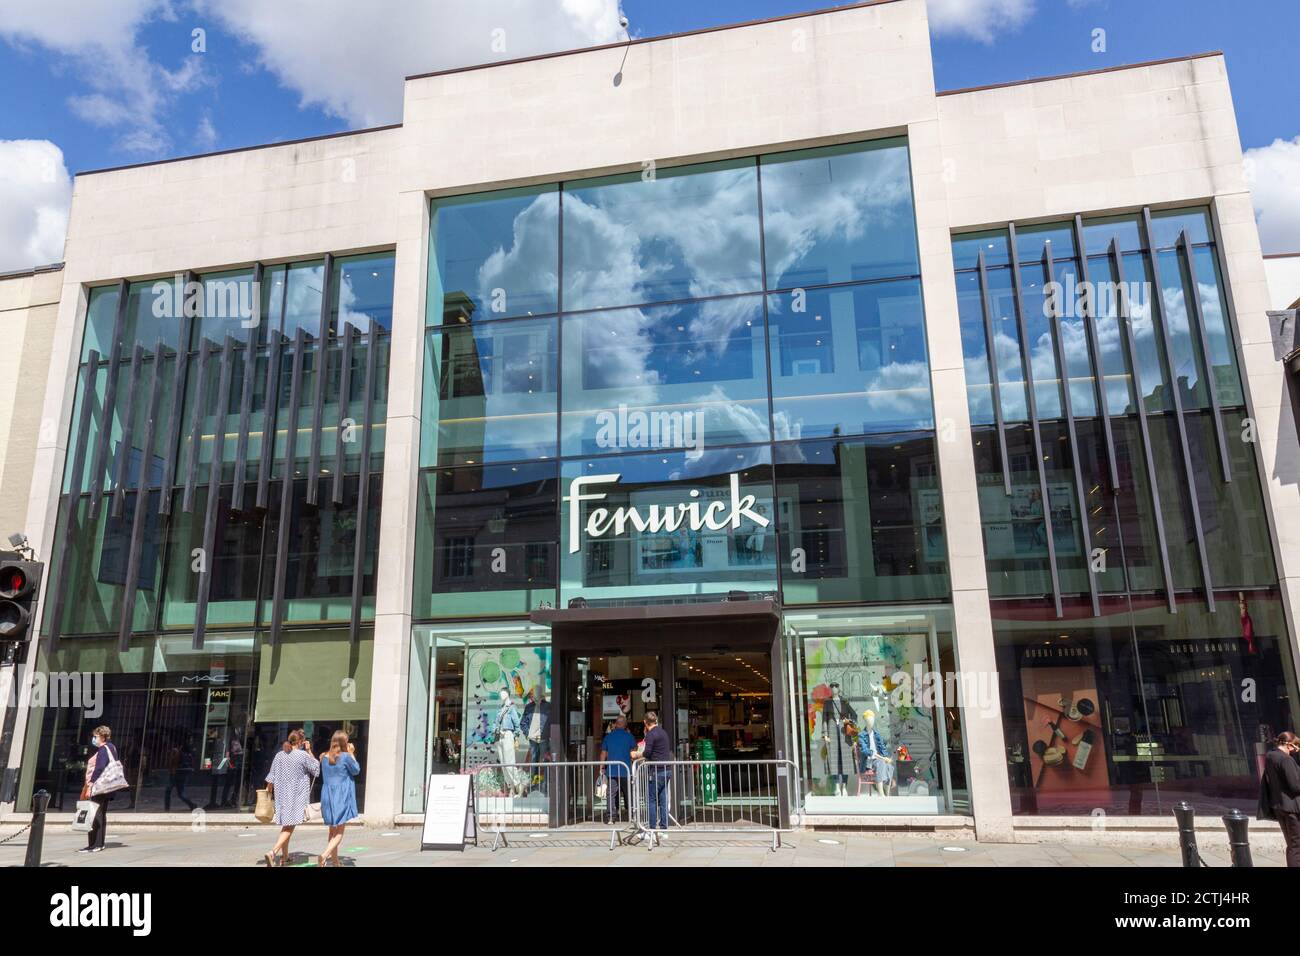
<point>1109,142</point>
<point>29,306</point>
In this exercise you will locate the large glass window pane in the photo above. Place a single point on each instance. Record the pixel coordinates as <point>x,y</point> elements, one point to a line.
<point>679,376</point>
<point>101,313</point>
<point>1186,356</point>
<point>1042,347</point>
<point>967,246</point>
<point>487,539</point>
<point>870,738</point>
<point>682,233</point>
<point>1232,513</point>
<point>1031,240</point>
<point>153,312</point>
<point>1214,310</point>
<point>1098,234</point>
<point>1112,349</point>
<point>1015,533</point>
<point>490,393</point>
<point>838,214</point>
<point>226,307</point>
<point>1006,336</point>
<point>974,348</point>
<point>668,524</point>
<point>849,361</point>
<point>362,294</point>
<point>302,298</point>
<point>1168,224</point>
<point>322,538</point>
<point>494,255</point>
<point>1077,730</point>
<point>234,563</point>
<point>1139,286</point>
<point>861,520</point>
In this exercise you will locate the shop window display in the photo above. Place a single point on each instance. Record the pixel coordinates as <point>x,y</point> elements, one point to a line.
<point>871,715</point>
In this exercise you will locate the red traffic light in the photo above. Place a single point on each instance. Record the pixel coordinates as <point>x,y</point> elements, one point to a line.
<point>12,581</point>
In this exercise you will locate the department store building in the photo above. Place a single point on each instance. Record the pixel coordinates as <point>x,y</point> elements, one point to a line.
<point>739,375</point>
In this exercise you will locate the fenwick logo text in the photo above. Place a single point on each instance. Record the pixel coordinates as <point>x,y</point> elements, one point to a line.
<point>716,516</point>
<point>76,909</point>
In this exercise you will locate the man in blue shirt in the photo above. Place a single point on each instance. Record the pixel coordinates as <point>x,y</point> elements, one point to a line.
<point>617,748</point>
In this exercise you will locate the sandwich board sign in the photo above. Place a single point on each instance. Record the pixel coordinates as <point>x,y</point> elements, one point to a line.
<point>449,819</point>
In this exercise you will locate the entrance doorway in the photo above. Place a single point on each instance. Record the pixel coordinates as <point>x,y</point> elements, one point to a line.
<point>724,705</point>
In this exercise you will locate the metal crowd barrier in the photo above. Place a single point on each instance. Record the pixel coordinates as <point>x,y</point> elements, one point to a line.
<point>555,798</point>
<point>714,797</point>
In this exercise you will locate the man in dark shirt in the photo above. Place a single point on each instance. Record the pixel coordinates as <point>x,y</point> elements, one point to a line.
<point>656,749</point>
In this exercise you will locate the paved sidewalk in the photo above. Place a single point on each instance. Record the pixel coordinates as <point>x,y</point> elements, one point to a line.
<point>369,847</point>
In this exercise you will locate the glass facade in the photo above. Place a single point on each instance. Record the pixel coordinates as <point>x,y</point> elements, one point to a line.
<point>672,386</point>
<point>1135,605</point>
<point>232,414</point>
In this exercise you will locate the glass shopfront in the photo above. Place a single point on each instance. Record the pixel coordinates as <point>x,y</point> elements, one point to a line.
<point>679,388</point>
<point>1141,641</point>
<point>196,730</point>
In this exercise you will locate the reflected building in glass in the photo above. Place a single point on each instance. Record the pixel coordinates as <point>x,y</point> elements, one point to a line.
<point>920,444</point>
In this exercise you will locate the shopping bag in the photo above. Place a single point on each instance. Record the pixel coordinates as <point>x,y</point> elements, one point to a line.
<point>111,780</point>
<point>264,812</point>
<point>84,818</point>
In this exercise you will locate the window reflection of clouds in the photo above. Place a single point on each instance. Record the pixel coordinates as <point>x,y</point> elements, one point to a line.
<point>689,232</point>
<point>844,210</point>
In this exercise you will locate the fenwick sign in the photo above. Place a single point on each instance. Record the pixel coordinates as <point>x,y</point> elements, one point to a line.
<point>715,516</point>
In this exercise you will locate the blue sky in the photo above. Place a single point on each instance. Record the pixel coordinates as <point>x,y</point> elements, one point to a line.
<point>110,82</point>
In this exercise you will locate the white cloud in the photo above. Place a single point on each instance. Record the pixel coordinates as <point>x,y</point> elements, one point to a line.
<point>35,191</point>
<point>1273,172</point>
<point>979,19</point>
<point>349,60</point>
<point>128,91</point>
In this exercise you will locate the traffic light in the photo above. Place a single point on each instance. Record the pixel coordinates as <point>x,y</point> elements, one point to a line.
<point>20,582</point>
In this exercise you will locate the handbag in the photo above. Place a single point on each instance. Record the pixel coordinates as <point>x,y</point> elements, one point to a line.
<point>84,819</point>
<point>602,787</point>
<point>111,780</point>
<point>264,812</point>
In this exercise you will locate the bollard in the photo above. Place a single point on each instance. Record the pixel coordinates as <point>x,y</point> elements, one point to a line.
<point>40,800</point>
<point>1238,825</point>
<point>1186,818</point>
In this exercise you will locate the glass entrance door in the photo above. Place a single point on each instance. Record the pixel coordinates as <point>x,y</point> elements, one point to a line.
<point>601,688</point>
<point>724,706</point>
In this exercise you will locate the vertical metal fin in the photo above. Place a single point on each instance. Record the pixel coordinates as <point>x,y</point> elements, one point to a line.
<point>142,486</point>
<point>1027,359</point>
<point>1130,343</point>
<point>174,420</point>
<point>345,395</point>
<point>98,463</point>
<point>214,492</point>
<point>63,549</point>
<point>1211,384</point>
<point>321,366</point>
<point>1094,353</point>
<point>363,485</point>
<point>1158,317</point>
<point>128,433</point>
<point>196,428</point>
<point>286,489</point>
<point>246,394</point>
<point>1080,495</point>
<point>986,306</point>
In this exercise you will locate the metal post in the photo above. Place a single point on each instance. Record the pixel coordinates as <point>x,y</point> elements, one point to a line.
<point>986,306</point>
<point>1098,363</point>
<point>1238,825</point>
<point>1186,818</point>
<point>36,841</point>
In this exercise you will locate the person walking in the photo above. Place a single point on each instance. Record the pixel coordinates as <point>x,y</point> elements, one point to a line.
<point>289,780</point>
<point>96,767</point>
<point>616,748</point>
<point>1279,792</point>
<point>655,748</point>
<point>338,793</point>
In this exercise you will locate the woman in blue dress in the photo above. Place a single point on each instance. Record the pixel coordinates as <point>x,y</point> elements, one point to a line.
<point>338,793</point>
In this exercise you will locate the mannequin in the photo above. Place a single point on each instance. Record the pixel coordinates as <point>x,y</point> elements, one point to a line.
<point>507,727</point>
<point>537,728</point>
<point>839,753</point>
<point>875,753</point>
